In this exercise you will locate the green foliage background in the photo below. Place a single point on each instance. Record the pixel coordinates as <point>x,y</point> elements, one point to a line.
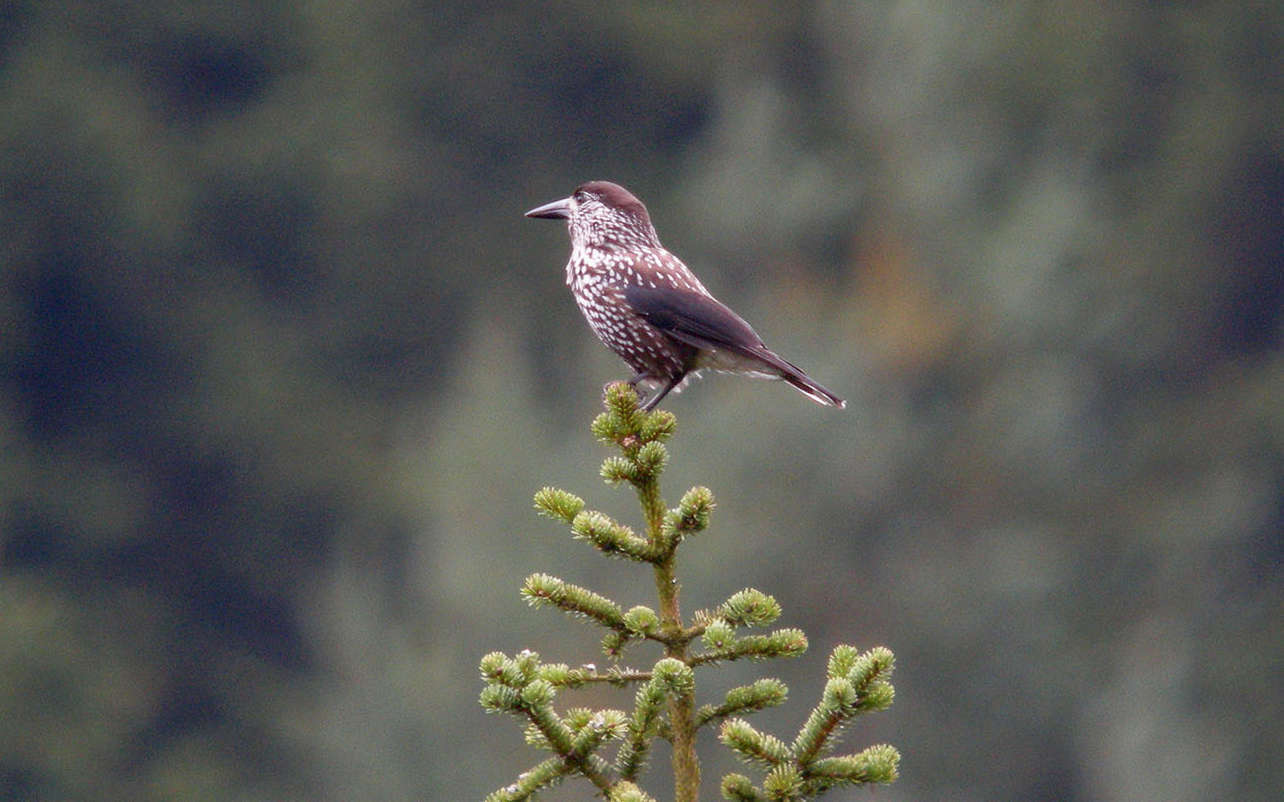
<point>282,365</point>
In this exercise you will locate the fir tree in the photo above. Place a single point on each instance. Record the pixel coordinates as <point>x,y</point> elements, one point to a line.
<point>609,747</point>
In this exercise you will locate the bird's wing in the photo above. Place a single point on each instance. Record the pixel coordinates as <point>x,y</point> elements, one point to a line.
<point>701,321</point>
<point>694,318</point>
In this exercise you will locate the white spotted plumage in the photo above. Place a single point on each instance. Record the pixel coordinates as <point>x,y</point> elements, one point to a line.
<point>644,304</point>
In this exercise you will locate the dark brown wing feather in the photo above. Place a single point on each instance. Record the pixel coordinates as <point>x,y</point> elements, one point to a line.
<point>703,322</point>
<point>694,318</point>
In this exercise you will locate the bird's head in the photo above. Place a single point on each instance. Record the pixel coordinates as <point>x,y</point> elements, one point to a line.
<point>602,214</point>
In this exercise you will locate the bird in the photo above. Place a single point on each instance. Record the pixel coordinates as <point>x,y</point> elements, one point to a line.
<point>644,304</point>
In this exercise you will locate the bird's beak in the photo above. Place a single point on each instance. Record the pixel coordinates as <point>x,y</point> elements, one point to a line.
<point>557,210</point>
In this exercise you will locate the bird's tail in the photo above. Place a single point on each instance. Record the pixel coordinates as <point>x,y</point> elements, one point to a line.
<point>813,390</point>
<point>758,360</point>
<point>794,375</point>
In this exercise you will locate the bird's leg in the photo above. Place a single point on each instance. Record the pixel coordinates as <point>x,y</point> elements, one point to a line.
<point>637,377</point>
<point>655,399</point>
<point>632,382</point>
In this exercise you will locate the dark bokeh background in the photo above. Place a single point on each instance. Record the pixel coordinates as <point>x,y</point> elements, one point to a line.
<point>283,364</point>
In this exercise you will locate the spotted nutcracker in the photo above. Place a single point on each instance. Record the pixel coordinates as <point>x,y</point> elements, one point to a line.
<point>647,307</point>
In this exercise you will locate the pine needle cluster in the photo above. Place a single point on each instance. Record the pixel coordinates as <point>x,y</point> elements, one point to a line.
<point>610,747</point>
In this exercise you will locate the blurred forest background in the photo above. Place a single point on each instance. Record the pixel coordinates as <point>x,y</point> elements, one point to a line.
<point>283,365</point>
